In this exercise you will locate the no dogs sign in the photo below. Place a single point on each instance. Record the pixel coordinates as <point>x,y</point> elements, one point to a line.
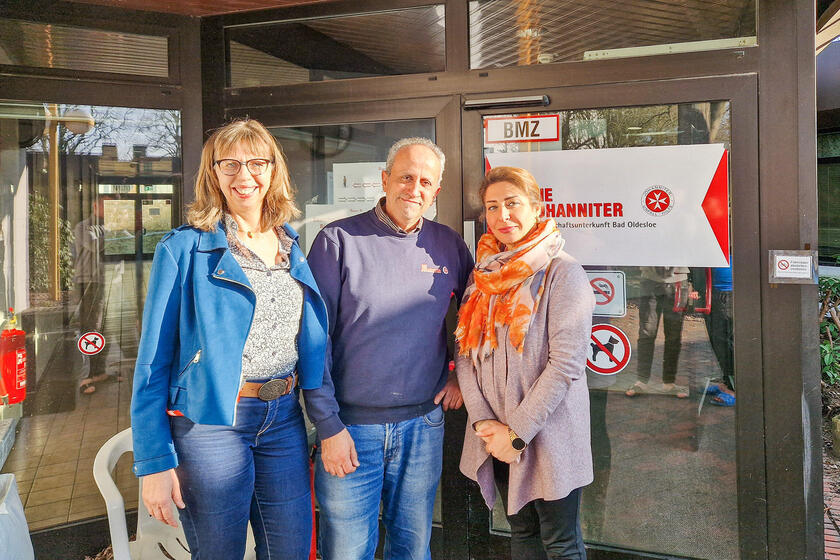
<point>609,350</point>
<point>91,343</point>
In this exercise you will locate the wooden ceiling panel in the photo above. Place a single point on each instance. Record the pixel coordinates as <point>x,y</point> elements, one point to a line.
<point>199,7</point>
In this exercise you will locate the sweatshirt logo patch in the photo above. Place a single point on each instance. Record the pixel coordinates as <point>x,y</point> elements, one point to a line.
<point>434,269</point>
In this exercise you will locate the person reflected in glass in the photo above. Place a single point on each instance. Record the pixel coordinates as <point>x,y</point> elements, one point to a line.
<point>522,337</point>
<point>720,328</point>
<point>233,325</point>
<point>657,300</point>
<point>89,277</point>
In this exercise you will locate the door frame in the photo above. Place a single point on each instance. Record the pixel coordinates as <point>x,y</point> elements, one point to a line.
<point>449,541</point>
<point>742,93</point>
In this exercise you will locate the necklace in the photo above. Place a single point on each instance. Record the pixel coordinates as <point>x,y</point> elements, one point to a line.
<point>250,233</point>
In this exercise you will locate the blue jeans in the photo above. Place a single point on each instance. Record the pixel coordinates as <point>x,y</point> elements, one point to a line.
<point>400,467</point>
<point>257,471</point>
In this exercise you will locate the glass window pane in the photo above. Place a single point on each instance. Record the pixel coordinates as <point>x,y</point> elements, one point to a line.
<point>405,41</point>
<point>43,45</point>
<point>71,262</point>
<point>828,145</point>
<point>157,221</point>
<point>663,451</point>
<point>337,172</point>
<point>524,32</point>
<point>828,188</point>
<point>337,169</point>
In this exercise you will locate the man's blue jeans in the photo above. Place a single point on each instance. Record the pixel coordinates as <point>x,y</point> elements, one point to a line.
<point>400,466</point>
<point>257,470</point>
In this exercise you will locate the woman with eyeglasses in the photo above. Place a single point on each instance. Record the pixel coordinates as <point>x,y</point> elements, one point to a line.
<point>233,326</point>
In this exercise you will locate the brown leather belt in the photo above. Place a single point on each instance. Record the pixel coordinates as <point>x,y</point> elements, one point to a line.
<point>270,390</point>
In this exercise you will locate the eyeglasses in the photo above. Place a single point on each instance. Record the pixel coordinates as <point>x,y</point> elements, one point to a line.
<point>256,166</point>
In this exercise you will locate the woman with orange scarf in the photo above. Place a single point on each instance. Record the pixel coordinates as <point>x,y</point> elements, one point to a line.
<point>522,335</point>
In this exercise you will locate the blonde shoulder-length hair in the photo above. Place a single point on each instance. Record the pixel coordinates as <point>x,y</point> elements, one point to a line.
<point>209,206</point>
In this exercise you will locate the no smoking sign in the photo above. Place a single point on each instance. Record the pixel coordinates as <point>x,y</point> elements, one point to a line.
<point>608,287</point>
<point>609,350</point>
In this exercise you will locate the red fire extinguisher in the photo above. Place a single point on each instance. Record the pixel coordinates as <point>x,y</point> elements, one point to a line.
<point>12,362</point>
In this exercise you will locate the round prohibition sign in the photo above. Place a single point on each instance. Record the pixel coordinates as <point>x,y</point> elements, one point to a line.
<point>91,343</point>
<point>609,350</point>
<point>603,289</point>
<point>783,264</point>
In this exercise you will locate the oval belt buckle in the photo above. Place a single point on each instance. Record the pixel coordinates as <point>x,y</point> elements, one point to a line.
<point>273,389</point>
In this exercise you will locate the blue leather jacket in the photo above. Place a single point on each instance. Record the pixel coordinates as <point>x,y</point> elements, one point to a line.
<point>197,315</point>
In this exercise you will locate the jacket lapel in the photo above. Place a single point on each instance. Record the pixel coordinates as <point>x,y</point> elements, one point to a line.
<point>226,268</point>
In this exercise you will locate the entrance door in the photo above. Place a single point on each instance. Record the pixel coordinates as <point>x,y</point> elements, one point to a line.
<point>335,156</point>
<point>653,186</point>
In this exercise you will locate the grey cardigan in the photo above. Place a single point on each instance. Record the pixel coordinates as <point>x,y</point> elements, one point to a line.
<point>541,394</point>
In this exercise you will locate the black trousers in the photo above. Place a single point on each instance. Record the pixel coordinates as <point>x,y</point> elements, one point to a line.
<point>543,530</point>
<point>657,301</point>
<point>719,325</point>
<point>91,310</point>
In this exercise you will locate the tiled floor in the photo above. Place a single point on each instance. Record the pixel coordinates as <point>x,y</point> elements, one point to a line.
<point>61,431</point>
<point>53,459</point>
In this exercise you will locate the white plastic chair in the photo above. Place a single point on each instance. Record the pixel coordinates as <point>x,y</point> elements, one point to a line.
<point>153,537</point>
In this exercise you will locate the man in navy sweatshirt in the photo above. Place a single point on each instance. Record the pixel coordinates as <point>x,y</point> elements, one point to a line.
<point>387,277</point>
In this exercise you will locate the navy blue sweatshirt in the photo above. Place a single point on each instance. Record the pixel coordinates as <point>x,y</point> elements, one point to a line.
<point>387,295</point>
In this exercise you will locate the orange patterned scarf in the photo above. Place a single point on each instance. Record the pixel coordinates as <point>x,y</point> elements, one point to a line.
<point>506,289</point>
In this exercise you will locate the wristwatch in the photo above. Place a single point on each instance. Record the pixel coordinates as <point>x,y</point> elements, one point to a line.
<point>517,442</point>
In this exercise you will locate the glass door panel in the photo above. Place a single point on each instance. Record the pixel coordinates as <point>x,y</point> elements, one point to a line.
<point>69,264</point>
<point>661,374</point>
<point>118,225</point>
<point>337,172</point>
<point>156,216</point>
<point>337,169</point>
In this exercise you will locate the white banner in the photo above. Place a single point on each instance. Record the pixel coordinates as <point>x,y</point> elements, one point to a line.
<point>650,206</point>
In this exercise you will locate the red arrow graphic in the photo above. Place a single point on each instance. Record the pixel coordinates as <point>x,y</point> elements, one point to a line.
<point>716,204</point>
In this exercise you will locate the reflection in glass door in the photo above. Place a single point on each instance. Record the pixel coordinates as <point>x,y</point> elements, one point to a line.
<point>661,375</point>
<point>337,169</point>
<point>74,263</point>
<point>156,221</point>
<point>337,172</point>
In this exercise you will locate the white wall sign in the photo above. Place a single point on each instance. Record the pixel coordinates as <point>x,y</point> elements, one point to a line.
<point>793,267</point>
<point>609,289</point>
<point>650,206</point>
<point>357,182</point>
<point>543,128</point>
<point>316,216</point>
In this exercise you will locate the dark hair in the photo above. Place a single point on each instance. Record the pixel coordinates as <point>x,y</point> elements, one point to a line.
<point>520,178</point>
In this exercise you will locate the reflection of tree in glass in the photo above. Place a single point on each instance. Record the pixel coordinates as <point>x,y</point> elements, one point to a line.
<point>109,123</point>
<point>163,131</point>
<point>39,249</point>
<point>654,125</point>
<point>622,127</point>
<point>160,130</point>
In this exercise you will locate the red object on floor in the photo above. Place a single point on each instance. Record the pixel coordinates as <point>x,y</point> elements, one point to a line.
<point>832,510</point>
<point>313,549</point>
<point>13,364</point>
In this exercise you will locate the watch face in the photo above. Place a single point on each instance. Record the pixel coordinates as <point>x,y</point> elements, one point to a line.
<point>518,443</point>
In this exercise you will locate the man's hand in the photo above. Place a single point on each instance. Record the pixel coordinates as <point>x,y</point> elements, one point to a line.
<point>497,440</point>
<point>159,491</point>
<point>450,394</point>
<point>338,454</point>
